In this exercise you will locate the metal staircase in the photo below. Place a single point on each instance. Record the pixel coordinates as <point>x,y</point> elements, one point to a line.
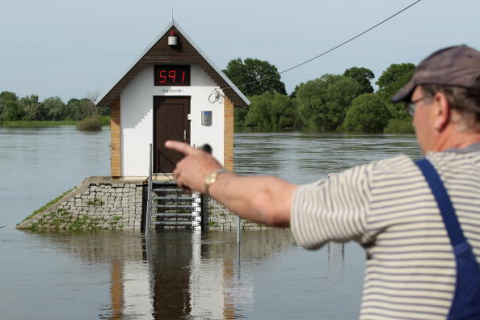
<point>169,207</point>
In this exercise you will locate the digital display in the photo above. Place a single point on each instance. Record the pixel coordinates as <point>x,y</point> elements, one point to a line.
<point>168,75</point>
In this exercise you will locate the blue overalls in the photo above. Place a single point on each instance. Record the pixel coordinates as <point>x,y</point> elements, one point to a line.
<point>466,299</point>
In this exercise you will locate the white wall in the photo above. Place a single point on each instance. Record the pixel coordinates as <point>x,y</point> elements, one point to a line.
<point>136,103</point>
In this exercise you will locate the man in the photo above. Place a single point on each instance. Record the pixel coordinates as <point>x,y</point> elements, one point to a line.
<point>387,206</point>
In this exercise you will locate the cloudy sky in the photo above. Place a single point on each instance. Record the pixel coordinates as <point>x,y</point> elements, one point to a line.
<point>70,48</point>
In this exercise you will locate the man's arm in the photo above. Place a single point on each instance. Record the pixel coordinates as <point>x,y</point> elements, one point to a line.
<point>264,199</point>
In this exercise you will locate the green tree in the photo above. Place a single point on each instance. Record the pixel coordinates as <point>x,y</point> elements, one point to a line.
<point>97,111</point>
<point>34,110</point>
<point>8,96</point>
<point>240,114</point>
<point>293,94</point>
<point>254,76</point>
<point>323,102</point>
<point>393,79</point>
<point>72,110</point>
<point>80,109</point>
<point>5,97</point>
<point>55,108</point>
<point>368,113</point>
<point>88,108</point>
<point>271,111</point>
<point>13,111</point>
<point>362,76</point>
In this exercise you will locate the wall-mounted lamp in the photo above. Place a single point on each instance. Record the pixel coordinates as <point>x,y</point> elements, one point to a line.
<point>172,39</point>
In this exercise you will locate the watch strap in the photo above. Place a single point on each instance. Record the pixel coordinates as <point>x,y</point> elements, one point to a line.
<point>210,179</point>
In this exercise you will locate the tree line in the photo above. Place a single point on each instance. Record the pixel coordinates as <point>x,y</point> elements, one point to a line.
<point>29,108</point>
<point>345,102</point>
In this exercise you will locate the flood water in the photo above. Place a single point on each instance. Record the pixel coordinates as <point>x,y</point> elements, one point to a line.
<point>112,275</point>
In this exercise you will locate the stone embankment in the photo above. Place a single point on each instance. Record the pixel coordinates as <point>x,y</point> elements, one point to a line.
<point>221,219</point>
<point>97,203</point>
<point>103,203</point>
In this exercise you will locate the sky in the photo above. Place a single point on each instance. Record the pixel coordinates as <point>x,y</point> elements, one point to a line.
<point>75,48</point>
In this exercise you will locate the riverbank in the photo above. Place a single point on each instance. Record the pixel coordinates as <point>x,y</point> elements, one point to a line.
<point>33,124</point>
<point>105,121</point>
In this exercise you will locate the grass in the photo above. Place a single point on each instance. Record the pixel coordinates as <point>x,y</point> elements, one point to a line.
<point>47,205</point>
<point>95,202</point>
<point>213,224</point>
<point>34,124</point>
<point>62,219</point>
<point>104,121</point>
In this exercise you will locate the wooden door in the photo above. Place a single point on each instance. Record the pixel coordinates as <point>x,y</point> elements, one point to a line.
<point>170,123</point>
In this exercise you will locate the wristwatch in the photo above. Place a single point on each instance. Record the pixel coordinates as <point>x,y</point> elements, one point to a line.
<point>210,179</point>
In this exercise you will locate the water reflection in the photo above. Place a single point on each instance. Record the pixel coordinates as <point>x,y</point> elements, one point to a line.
<point>198,276</point>
<point>175,274</point>
<point>335,258</point>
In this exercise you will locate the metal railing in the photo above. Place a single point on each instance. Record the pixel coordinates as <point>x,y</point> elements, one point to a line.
<point>148,214</point>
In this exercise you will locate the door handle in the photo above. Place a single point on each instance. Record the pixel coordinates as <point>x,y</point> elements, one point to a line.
<point>184,135</point>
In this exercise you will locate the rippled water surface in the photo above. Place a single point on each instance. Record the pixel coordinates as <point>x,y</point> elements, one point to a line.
<point>176,274</point>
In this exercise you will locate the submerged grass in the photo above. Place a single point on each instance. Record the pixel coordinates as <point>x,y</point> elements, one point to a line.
<point>62,219</point>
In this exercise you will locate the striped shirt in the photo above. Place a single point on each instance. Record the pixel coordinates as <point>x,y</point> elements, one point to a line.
<point>389,209</point>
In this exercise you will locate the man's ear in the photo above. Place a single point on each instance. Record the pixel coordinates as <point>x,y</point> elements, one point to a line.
<point>442,112</point>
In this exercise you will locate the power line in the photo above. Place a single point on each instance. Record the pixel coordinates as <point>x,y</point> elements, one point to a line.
<point>336,47</point>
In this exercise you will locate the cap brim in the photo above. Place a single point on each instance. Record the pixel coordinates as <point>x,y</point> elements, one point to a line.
<point>405,94</point>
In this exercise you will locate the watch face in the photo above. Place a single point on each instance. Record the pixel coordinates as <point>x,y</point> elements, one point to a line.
<point>211,179</point>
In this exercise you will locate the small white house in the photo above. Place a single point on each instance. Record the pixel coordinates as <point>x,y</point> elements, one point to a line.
<point>172,92</point>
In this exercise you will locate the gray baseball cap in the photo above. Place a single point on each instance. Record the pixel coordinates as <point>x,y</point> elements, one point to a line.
<point>457,66</point>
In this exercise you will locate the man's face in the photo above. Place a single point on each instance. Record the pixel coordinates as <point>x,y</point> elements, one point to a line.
<point>423,120</point>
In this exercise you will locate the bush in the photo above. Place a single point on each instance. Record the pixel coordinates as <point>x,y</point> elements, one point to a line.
<point>271,111</point>
<point>368,113</point>
<point>90,124</point>
<point>399,126</point>
<point>105,120</point>
<point>323,102</point>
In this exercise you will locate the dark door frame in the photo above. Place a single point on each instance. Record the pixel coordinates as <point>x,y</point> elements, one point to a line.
<point>172,156</point>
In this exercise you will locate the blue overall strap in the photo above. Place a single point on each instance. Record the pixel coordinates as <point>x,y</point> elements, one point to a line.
<point>466,300</point>
<point>444,203</point>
